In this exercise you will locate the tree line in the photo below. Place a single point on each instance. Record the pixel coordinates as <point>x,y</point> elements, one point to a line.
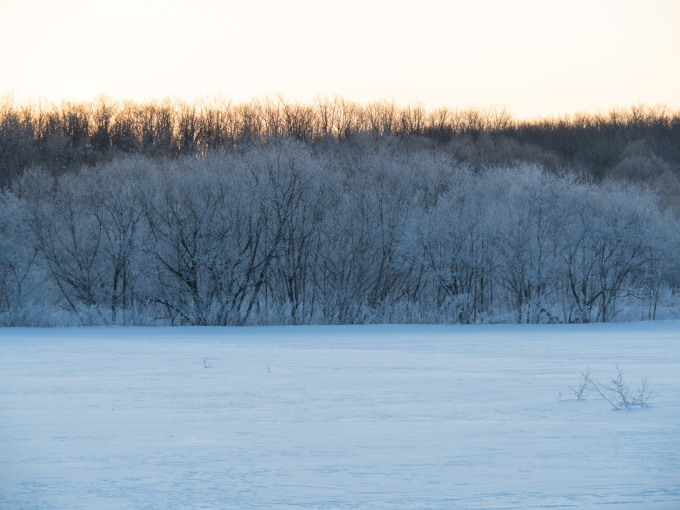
<point>639,143</point>
<point>373,229</point>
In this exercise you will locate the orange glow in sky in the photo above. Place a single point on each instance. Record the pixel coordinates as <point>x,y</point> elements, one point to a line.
<point>536,57</point>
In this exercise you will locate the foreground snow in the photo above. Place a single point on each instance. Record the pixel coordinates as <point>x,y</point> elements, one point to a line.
<point>336,417</point>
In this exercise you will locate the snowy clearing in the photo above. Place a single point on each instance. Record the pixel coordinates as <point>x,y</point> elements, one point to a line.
<point>336,417</point>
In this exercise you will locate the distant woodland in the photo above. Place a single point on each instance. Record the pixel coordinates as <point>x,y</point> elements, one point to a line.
<point>639,143</point>
<point>271,212</point>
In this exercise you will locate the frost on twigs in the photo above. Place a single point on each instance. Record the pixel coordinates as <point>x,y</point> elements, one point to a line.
<point>617,393</point>
<point>581,389</point>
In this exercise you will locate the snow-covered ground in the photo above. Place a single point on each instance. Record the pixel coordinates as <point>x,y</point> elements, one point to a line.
<point>336,417</point>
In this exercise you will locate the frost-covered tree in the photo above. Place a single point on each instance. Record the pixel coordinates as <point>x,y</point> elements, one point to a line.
<point>457,250</point>
<point>609,236</point>
<point>60,215</point>
<point>523,234</point>
<point>18,278</point>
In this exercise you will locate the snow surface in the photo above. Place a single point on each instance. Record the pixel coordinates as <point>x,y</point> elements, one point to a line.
<point>336,417</point>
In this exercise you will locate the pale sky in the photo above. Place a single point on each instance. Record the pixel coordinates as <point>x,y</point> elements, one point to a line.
<point>535,57</point>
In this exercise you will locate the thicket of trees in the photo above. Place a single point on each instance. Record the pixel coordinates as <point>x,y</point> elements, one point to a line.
<point>366,229</point>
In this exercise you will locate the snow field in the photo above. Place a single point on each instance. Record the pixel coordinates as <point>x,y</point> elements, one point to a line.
<point>336,417</point>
